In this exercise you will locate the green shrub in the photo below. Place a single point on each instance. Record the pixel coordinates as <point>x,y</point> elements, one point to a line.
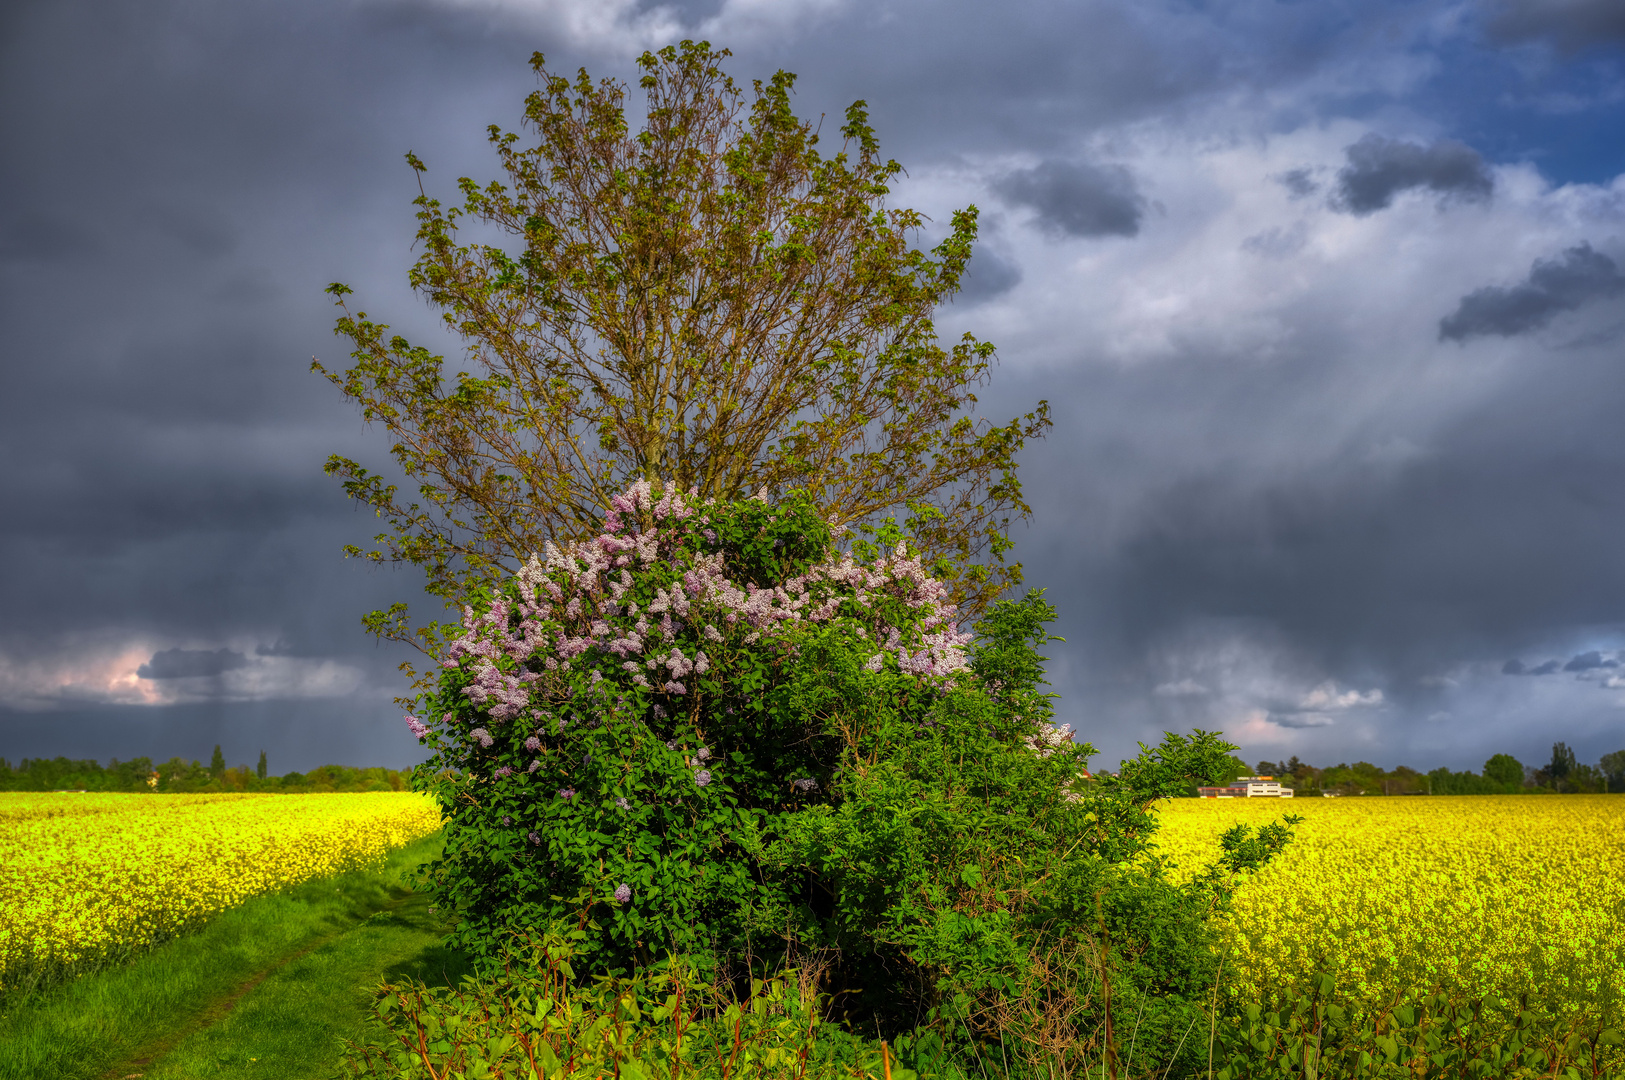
<point>535,1019</point>
<point>710,735</point>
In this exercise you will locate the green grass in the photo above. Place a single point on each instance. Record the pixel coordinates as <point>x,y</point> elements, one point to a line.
<point>267,990</point>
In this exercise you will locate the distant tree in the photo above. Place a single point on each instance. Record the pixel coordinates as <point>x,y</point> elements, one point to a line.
<point>1404,780</point>
<point>1505,770</point>
<point>1613,770</point>
<point>1562,762</point>
<point>708,301</point>
<point>1583,779</point>
<point>259,770</point>
<point>217,763</point>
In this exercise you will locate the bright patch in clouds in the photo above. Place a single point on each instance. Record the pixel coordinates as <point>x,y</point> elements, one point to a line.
<point>124,674</point>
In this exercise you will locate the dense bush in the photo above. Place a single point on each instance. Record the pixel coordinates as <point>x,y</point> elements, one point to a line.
<point>714,736</point>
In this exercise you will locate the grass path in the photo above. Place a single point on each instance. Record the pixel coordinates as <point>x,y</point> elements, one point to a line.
<point>267,990</point>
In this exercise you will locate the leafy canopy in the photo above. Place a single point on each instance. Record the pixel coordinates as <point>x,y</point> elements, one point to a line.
<point>707,300</point>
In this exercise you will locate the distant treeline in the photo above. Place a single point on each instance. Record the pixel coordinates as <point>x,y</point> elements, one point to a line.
<point>1503,775</point>
<point>179,775</point>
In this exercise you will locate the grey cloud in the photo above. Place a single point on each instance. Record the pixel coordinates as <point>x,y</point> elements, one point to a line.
<point>1300,720</point>
<point>190,663</point>
<point>1550,667</point>
<point>1575,278</point>
<point>1513,667</point>
<point>1276,242</point>
<point>39,236</point>
<point>1379,168</point>
<point>989,275</point>
<point>1078,199</point>
<point>1300,182</point>
<point>1590,661</point>
<point>1570,24</point>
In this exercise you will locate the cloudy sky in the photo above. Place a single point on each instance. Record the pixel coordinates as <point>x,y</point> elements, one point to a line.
<point>1328,298</point>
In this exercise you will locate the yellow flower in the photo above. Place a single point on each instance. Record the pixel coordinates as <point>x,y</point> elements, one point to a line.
<point>84,877</point>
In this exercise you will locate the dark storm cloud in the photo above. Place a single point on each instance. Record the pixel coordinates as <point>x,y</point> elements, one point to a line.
<point>191,663</point>
<point>989,275</point>
<point>1493,540</point>
<point>163,441</point>
<point>1513,667</point>
<point>1573,279</point>
<point>162,436</point>
<point>1550,667</point>
<point>34,236</point>
<point>1590,661</point>
<point>1570,24</point>
<point>1380,168</point>
<point>1077,199</point>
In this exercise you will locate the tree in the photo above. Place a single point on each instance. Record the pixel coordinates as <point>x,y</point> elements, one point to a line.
<point>217,763</point>
<point>1613,769</point>
<point>1562,761</point>
<point>259,769</point>
<point>1504,769</point>
<point>708,301</point>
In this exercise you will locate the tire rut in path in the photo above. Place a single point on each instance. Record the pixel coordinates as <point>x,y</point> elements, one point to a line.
<point>221,1006</point>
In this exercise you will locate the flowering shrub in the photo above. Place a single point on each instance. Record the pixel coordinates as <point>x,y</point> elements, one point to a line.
<point>621,725</point>
<point>708,732</point>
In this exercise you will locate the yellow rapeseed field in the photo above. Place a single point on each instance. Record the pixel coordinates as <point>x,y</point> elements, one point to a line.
<point>85,877</point>
<point>1394,896</point>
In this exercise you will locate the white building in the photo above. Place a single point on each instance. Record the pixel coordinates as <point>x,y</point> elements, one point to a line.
<point>1248,787</point>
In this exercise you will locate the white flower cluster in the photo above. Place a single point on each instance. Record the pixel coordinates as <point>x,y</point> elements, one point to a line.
<point>575,610</point>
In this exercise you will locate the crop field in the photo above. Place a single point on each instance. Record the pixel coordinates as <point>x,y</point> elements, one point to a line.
<point>87,878</point>
<point>1502,894</point>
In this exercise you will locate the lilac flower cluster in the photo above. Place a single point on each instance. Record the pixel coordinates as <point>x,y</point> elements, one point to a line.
<point>581,634</point>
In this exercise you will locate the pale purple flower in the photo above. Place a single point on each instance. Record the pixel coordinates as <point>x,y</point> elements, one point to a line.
<point>502,771</point>
<point>534,839</point>
<point>623,804</point>
<point>536,763</point>
<point>533,744</point>
<point>567,792</point>
<point>806,783</point>
<point>419,729</point>
<point>506,821</point>
<point>703,777</point>
<point>704,753</point>
<point>483,736</point>
<point>623,893</point>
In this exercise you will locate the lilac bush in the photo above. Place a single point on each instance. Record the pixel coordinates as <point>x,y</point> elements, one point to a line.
<point>641,702</point>
<point>710,732</point>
